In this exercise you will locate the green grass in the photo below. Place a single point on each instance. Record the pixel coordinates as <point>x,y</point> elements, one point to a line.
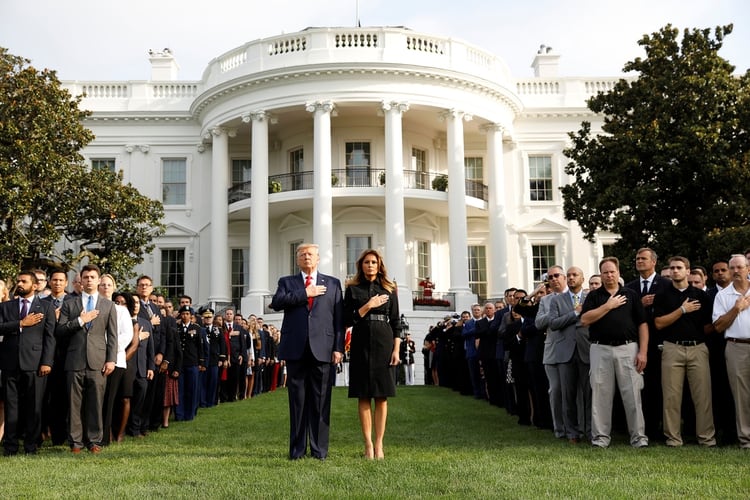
<point>438,444</point>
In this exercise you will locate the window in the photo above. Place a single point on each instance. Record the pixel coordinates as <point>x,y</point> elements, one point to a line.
<point>174,181</point>
<point>608,249</point>
<point>478,271</point>
<point>474,168</point>
<point>173,271</point>
<point>355,245</point>
<point>293,268</point>
<point>419,166</point>
<point>543,256</point>
<point>296,167</point>
<point>423,260</point>
<point>103,164</point>
<point>358,164</point>
<point>540,178</point>
<point>240,278</point>
<point>241,172</point>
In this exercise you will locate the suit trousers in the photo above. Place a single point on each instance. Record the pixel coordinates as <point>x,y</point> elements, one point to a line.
<point>189,391</point>
<point>309,385</point>
<point>584,397</point>
<point>677,362</point>
<point>611,367</point>
<point>24,394</point>
<point>86,391</point>
<point>738,370</point>
<point>138,410</point>
<point>563,387</point>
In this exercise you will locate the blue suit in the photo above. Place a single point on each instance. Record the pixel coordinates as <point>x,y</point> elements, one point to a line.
<point>308,340</point>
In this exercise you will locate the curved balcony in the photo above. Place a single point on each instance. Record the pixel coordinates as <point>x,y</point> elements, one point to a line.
<point>352,177</point>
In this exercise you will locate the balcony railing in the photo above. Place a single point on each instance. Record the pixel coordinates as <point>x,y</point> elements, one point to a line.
<point>351,177</point>
<point>438,301</point>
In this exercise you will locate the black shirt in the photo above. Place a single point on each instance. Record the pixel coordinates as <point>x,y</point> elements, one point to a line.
<point>688,326</point>
<point>619,324</point>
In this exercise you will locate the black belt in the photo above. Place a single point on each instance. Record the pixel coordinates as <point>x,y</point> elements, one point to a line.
<point>685,343</point>
<point>377,317</point>
<point>738,341</point>
<point>613,343</point>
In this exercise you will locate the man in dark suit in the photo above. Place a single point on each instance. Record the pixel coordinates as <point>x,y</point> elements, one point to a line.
<point>27,350</point>
<point>55,412</point>
<point>648,284</point>
<point>312,343</point>
<point>485,333</point>
<point>89,323</point>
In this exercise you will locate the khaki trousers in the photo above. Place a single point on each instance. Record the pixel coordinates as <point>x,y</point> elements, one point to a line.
<point>612,365</point>
<point>738,370</point>
<point>677,362</point>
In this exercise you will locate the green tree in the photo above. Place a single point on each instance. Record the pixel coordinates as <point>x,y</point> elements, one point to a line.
<point>47,192</point>
<point>670,170</point>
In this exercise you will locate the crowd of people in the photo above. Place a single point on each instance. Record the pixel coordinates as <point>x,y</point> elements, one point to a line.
<point>665,357</point>
<point>90,366</point>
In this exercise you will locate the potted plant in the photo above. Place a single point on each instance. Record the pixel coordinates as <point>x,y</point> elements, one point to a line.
<point>381,178</point>
<point>440,183</point>
<point>334,179</point>
<point>274,186</point>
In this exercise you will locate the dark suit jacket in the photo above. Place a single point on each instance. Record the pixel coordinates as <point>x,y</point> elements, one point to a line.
<point>322,326</point>
<point>486,331</point>
<point>659,285</point>
<point>88,349</point>
<point>144,356</point>
<point>31,347</point>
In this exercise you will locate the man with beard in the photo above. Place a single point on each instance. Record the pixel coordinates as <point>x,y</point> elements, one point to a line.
<point>27,325</point>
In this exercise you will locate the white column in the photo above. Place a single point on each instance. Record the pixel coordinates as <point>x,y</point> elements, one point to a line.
<point>219,286</point>
<point>498,251</point>
<point>259,237</point>
<point>395,233</point>
<point>322,190</point>
<point>457,227</point>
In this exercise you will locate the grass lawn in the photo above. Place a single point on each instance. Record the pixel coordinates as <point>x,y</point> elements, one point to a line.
<point>438,444</point>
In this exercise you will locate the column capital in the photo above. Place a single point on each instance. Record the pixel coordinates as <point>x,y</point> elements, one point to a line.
<point>493,127</point>
<point>260,115</point>
<point>401,107</point>
<point>200,147</point>
<point>325,106</point>
<point>455,114</point>
<point>219,131</point>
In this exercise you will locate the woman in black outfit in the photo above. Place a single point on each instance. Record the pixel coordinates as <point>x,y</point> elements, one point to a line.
<point>371,308</point>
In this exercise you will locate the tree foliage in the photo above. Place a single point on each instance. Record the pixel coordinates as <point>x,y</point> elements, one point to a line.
<point>670,170</point>
<point>48,194</point>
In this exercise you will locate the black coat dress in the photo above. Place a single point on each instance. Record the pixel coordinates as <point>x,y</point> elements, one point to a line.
<point>370,373</point>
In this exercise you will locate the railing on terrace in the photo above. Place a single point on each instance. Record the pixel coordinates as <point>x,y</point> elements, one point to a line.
<point>351,177</point>
<point>440,301</point>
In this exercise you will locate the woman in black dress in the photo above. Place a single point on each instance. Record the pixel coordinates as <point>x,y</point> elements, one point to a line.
<point>371,308</point>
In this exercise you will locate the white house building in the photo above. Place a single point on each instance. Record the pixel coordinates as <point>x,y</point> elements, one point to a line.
<point>337,136</point>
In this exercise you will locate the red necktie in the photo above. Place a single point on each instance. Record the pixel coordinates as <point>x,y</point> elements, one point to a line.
<point>308,282</point>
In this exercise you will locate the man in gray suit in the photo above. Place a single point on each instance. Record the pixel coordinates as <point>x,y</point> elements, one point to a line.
<point>566,351</point>
<point>557,284</point>
<point>89,323</point>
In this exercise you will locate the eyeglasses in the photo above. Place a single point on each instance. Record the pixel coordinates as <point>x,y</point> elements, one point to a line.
<point>554,276</point>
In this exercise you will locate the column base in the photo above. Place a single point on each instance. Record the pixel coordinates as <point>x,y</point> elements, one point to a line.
<point>464,299</point>
<point>256,303</point>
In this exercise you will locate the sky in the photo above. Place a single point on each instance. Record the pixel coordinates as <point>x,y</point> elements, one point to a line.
<point>106,40</point>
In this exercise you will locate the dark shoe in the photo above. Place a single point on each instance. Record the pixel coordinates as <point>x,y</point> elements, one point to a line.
<point>574,440</point>
<point>9,453</point>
